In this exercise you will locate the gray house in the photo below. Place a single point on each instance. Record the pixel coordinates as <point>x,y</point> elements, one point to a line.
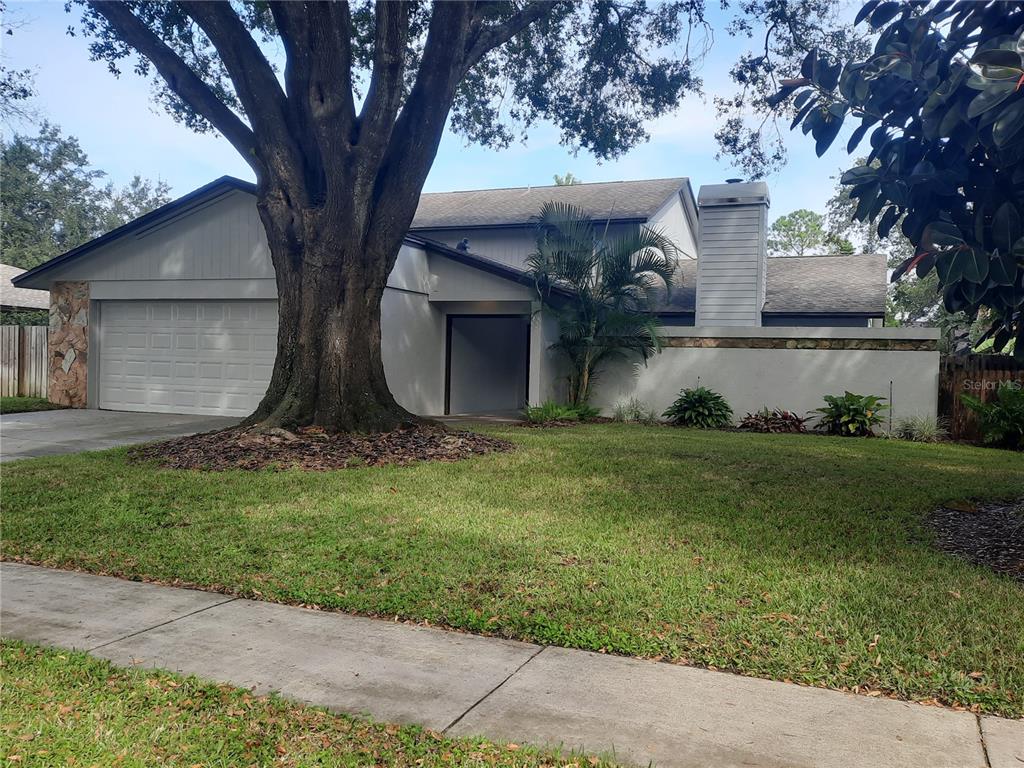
<point>176,311</point>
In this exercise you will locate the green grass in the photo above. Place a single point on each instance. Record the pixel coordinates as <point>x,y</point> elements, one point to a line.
<point>791,557</point>
<point>26,404</point>
<point>63,708</point>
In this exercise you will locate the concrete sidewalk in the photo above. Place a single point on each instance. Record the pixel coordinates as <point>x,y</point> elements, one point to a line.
<point>636,711</point>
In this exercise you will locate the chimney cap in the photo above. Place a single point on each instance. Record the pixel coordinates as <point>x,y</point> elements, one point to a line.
<point>734,193</point>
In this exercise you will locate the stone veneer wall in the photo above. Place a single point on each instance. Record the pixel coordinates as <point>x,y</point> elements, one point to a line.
<point>69,343</point>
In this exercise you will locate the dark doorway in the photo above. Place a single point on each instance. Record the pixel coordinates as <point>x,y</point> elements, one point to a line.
<point>487,363</point>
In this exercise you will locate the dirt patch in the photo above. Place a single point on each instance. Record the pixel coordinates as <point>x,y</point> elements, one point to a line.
<point>991,535</point>
<point>315,449</point>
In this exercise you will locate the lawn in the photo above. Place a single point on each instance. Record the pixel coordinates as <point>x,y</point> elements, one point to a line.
<point>63,708</point>
<point>782,556</point>
<point>26,404</point>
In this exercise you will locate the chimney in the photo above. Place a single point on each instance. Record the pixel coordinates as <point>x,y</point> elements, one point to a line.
<point>732,249</point>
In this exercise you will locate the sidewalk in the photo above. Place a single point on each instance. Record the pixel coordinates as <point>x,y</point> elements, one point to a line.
<point>638,711</point>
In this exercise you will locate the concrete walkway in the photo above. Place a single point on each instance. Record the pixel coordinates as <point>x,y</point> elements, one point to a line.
<point>47,433</point>
<point>636,711</point>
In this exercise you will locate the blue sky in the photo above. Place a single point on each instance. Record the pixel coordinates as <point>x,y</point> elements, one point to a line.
<point>124,133</point>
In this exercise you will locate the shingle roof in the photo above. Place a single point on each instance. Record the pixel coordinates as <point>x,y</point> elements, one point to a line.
<point>804,284</point>
<point>22,298</point>
<point>615,200</point>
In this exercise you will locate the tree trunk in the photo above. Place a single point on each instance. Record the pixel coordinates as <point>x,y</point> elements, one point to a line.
<point>329,371</point>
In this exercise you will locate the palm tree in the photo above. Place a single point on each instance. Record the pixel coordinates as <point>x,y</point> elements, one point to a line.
<point>609,281</point>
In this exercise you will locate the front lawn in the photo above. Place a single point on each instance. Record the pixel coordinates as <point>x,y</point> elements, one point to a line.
<point>782,556</point>
<point>63,708</point>
<point>26,404</point>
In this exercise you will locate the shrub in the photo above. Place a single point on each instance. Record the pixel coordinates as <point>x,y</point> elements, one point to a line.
<point>634,410</point>
<point>775,420</point>
<point>551,411</point>
<point>920,429</point>
<point>850,415</point>
<point>1001,418</point>
<point>699,407</point>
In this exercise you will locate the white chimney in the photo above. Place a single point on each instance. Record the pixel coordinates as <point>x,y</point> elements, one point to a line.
<point>732,249</point>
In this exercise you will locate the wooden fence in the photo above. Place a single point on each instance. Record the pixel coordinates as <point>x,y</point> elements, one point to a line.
<point>976,375</point>
<point>23,360</point>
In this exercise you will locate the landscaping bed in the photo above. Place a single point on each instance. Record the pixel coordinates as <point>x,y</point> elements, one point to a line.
<point>990,535</point>
<point>770,555</point>
<point>63,708</point>
<point>315,449</point>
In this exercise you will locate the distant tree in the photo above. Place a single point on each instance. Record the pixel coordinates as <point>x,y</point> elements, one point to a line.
<point>611,279</point>
<point>796,234</point>
<point>52,200</point>
<point>568,180</point>
<point>17,86</point>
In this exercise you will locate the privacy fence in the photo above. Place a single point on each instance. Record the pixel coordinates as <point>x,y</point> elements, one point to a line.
<point>23,360</point>
<point>976,375</point>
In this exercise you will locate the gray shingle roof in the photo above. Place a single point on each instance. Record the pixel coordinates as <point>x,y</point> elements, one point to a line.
<point>22,298</point>
<point>518,205</point>
<point>806,284</point>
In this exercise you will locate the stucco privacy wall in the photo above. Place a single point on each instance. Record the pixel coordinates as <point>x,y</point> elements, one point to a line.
<point>69,344</point>
<point>789,368</point>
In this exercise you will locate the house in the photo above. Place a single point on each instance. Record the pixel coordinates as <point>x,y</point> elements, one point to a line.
<point>20,299</point>
<point>176,311</point>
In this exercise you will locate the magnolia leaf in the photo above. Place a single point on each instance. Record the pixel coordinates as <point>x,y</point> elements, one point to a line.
<point>997,64</point>
<point>989,98</point>
<point>1006,227</point>
<point>888,220</point>
<point>975,264</point>
<point>1002,268</point>
<point>1009,123</point>
<point>885,13</point>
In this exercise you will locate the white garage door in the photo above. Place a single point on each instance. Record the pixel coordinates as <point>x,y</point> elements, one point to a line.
<point>210,357</point>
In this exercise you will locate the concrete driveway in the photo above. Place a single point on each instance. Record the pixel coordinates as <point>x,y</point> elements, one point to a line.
<point>46,433</point>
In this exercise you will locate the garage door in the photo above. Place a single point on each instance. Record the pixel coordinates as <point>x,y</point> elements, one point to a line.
<point>210,357</point>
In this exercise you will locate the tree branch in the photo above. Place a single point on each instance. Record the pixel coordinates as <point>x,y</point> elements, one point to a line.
<point>181,80</point>
<point>486,38</point>
<point>384,95</point>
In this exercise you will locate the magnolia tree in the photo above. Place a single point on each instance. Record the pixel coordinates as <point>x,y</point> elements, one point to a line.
<point>940,103</point>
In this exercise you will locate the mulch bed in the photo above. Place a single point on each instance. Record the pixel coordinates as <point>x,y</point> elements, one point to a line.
<point>314,449</point>
<point>991,535</point>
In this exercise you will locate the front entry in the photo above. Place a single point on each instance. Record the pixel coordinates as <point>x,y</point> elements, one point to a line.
<point>487,363</point>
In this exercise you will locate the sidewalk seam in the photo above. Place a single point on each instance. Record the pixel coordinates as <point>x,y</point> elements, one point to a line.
<point>162,624</point>
<point>981,738</point>
<point>487,695</point>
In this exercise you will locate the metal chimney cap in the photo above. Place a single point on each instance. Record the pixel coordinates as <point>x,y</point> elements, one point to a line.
<point>734,193</point>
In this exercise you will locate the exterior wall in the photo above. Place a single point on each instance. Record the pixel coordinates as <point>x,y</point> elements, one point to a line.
<point>671,222</point>
<point>412,345</point>
<point>451,281</point>
<point>816,321</point>
<point>784,368</point>
<point>731,267</point>
<point>68,344</point>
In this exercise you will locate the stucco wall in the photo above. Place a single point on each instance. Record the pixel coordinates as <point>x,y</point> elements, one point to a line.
<point>796,378</point>
<point>412,346</point>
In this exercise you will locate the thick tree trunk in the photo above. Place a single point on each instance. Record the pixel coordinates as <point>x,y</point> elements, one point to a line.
<point>329,371</point>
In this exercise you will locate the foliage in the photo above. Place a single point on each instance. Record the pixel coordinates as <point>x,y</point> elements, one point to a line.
<point>699,407</point>
<point>634,410</point>
<point>850,415</point>
<point>52,200</point>
<point>17,86</point>
<point>1002,417</point>
<point>920,429</point>
<point>940,97</point>
<point>598,287</point>
<point>796,234</point>
<point>55,697</point>
<point>568,180</point>
<point>775,420</point>
<point>717,548</point>
<point>27,404</point>
<point>24,317</point>
<point>551,411</point>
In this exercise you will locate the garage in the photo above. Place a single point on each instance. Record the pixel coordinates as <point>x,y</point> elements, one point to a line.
<point>202,357</point>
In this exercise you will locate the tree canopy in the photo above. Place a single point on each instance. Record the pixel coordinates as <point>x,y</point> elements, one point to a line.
<point>796,234</point>
<point>940,104</point>
<point>52,199</point>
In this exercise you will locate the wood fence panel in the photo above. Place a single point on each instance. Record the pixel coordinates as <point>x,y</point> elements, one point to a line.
<point>23,361</point>
<point>975,375</point>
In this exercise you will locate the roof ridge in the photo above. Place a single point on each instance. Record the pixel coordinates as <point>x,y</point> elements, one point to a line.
<point>556,186</point>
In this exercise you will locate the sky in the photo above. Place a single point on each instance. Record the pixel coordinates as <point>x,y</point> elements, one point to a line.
<point>124,133</point>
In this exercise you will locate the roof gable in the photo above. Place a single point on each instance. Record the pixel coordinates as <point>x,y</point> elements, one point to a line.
<point>20,298</point>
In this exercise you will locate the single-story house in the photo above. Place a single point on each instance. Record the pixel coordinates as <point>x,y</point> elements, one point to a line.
<point>176,311</point>
<point>20,299</point>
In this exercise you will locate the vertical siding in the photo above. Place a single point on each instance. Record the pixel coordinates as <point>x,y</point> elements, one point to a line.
<point>731,268</point>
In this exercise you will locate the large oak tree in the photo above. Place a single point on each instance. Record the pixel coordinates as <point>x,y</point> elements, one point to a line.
<point>339,109</point>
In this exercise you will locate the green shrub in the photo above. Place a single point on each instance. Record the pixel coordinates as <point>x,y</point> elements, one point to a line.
<point>634,410</point>
<point>850,415</point>
<point>699,407</point>
<point>551,411</point>
<point>920,429</point>
<point>1001,418</point>
<point>776,420</point>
